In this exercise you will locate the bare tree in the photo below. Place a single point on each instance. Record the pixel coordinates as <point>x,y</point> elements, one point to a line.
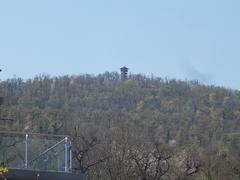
<point>85,152</point>
<point>152,163</point>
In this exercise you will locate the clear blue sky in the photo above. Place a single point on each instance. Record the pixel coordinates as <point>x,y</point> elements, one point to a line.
<point>183,39</point>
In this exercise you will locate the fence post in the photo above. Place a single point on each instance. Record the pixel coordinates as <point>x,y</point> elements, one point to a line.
<point>66,155</point>
<point>26,150</point>
<point>70,156</point>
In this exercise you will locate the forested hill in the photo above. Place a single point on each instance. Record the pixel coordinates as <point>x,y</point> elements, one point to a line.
<point>148,114</point>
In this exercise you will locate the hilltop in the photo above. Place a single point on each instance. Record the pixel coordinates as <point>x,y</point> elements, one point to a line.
<point>145,127</point>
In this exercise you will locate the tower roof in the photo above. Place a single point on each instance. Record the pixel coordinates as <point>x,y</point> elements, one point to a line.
<point>124,68</point>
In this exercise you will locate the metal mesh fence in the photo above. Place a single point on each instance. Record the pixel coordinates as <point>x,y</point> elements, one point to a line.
<point>35,151</point>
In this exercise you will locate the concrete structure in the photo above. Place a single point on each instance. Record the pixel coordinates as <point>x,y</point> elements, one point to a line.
<point>17,174</point>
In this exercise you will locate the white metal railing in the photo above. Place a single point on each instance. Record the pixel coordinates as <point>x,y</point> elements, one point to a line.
<point>58,153</point>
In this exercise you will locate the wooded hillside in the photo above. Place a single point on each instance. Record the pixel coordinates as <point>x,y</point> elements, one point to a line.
<point>141,128</point>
